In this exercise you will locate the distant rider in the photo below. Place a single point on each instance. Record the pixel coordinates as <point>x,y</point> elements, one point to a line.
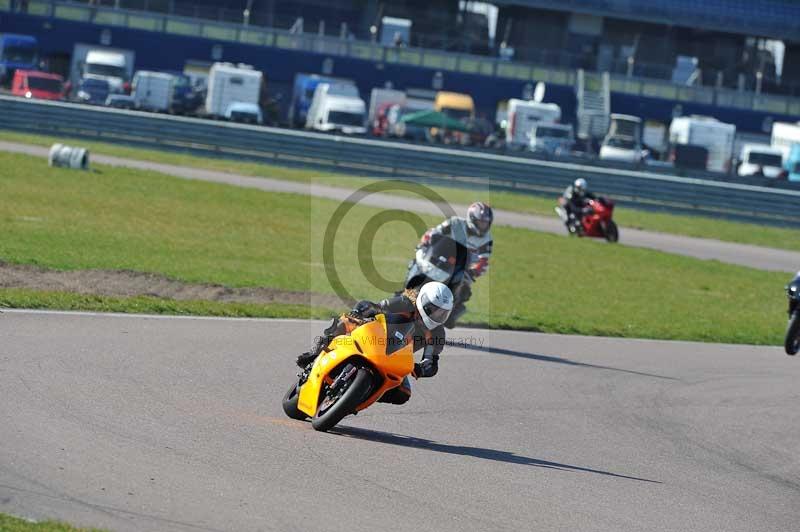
<point>472,232</point>
<point>415,314</point>
<point>576,198</point>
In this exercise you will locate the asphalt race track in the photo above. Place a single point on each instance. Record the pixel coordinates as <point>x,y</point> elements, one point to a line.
<point>138,424</point>
<point>779,260</point>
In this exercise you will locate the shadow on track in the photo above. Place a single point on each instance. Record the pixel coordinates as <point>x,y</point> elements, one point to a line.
<point>555,360</point>
<point>462,450</point>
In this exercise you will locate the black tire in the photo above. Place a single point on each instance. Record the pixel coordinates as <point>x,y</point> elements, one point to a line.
<point>612,232</point>
<point>290,404</point>
<point>792,342</point>
<point>353,396</point>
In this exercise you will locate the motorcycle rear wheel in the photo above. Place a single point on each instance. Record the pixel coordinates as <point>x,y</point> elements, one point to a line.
<point>345,405</point>
<point>611,231</point>
<point>792,342</point>
<point>290,403</point>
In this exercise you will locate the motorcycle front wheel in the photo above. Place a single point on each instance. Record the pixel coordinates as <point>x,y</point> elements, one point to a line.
<point>290,403</point>
<point>332,410</point>
<point>792,342</point>
<point>611,231</point>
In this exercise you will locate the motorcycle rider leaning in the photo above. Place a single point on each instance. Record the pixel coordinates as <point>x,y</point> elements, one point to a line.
<point>416,314</point>
<point>577,198</point>
<point>474,233</point>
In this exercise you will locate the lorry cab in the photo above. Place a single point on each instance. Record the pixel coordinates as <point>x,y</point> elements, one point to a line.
<point>623,143</point>
<point>455,105</point>
<point>109,66</point>
<point>17,52</point>
<point>302,96</point>
<point>760,159</point>
<point>39,85</point>
<point>337,107</point>
<point>551,139</point>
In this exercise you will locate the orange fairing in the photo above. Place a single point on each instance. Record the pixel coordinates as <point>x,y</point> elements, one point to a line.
<point>367,342</point>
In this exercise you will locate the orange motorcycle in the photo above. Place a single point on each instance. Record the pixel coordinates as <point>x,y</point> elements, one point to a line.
<point>352,373</point>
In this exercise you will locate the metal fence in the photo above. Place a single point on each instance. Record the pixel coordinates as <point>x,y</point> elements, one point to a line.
<point>434,59</point>
<point>420,162</point>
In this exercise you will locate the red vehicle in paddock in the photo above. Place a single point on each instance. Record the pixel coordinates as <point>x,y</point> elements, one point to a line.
<point>39,85</point>
<point>596,221</point>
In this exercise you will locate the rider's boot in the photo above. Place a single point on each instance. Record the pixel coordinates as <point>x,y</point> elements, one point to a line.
<point>306,358</point>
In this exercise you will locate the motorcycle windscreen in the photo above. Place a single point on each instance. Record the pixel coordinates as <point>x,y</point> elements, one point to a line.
<point>447,255</point>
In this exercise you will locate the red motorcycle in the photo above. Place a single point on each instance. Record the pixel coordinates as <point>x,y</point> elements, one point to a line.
<point>596,221</point>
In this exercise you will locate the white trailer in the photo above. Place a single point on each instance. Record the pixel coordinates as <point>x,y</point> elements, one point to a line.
<point>523,115</point>
<point>383,97</point>
<point>784,135</point>
<point>715,136</point>
<point>152,91</point>
<point>228,84</point>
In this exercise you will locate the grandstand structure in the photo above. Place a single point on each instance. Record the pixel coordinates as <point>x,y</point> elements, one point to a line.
<point>665,57</point>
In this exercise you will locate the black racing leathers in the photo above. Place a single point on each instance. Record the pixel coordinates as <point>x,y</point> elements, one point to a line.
<point>401,319</point>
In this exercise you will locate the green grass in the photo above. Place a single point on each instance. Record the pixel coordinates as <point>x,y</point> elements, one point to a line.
<point>205,232</point>
<point>696,226</point>
<point>48,300</point>
<point>14,524</point>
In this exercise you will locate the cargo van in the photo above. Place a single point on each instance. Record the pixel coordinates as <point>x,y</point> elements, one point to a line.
<point>228,84</point>
<point>523,115</point>
<point>337,107</point>
<point>709,133</point>
<point>38,85</point>
<point>760,159</point>
<point>152,91</point>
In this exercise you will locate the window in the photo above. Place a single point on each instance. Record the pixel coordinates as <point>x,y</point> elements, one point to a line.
<point>44,84</point>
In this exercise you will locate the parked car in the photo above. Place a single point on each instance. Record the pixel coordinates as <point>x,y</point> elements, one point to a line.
<point>93,91</point>
<point>552,139</point>
<point>760,160</point>
<point>39,85</point>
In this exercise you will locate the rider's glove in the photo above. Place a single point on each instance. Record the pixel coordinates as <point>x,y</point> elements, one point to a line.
<point>365,309</point>
<point>426,239</point>
<point>479,268</point>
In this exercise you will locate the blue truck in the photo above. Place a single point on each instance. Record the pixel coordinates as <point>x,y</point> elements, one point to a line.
<point>302,94</point>
<point>17,52</point>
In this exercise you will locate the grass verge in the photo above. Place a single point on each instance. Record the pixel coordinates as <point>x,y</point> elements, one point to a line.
<point>695,226</point>
<point>50,300</point>
<point>123,219</point>
<point>9,523</point>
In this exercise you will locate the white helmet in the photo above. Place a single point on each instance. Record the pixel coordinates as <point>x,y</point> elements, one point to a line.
<point>580,185</point>
<point>434,303</point>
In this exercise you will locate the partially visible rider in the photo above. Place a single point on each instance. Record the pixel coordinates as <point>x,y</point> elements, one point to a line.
<point>419,314</point>
<point>576,198</point>
<point>474,233</point>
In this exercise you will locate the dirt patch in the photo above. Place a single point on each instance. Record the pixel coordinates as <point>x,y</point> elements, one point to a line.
<point>125,283</point>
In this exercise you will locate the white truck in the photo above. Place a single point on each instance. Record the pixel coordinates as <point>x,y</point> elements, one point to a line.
<point>152,91</point>
<point>113,65</point>
<point>337,107</point>
<point>709,133</point>
<point>230,84</point>
<point>784,135</point>
<point>523,115</point>
<point>623,142</point>
<point>760,159</point>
